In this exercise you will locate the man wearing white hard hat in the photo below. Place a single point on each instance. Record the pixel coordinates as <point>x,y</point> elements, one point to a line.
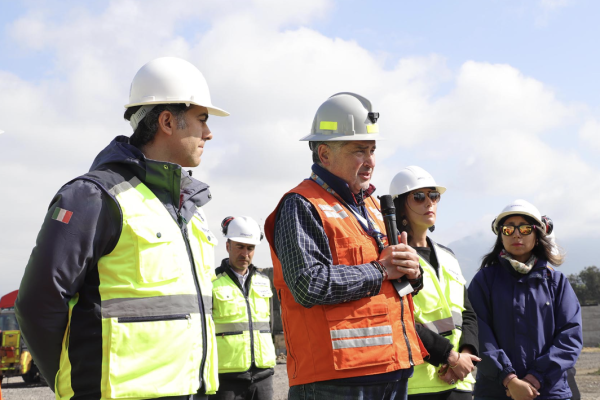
<point>349,333</point>
<point>117,295</point>
<point>241,310</point>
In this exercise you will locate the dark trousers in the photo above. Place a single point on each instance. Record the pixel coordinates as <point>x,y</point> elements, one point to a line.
<point>449,395</point>
<point>323,391</point>
<point>244,390</point>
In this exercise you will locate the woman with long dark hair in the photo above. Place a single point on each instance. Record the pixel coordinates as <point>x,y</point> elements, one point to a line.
<point>445,320</point>
<point>529,317</point>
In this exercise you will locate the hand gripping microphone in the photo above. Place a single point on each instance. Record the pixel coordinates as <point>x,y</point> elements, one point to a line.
<point>402,286</point>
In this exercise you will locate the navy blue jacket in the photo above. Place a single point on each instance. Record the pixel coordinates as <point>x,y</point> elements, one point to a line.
<point>528,324</point>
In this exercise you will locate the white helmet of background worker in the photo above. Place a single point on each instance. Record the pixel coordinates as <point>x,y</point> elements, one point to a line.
<point>413,178</point>
<point>344,116</point>
<point>242,229</point>
<point>169,80</point>
<point>523,207</point>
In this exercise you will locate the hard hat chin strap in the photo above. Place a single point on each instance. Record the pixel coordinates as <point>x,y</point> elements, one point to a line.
<point>139,115</point>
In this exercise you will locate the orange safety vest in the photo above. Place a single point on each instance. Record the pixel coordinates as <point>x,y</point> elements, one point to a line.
<point>373,335</point>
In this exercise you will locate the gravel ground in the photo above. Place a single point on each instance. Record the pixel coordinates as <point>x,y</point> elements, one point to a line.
<point>588,383</point>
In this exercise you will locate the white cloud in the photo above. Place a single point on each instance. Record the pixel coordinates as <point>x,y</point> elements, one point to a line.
<point>589,134</point>
<point>485,137</point>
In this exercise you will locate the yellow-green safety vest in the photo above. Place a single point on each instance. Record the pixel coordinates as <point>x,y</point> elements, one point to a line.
<point>242,340</point>
<point>438,307</point>
<point>155,340</point>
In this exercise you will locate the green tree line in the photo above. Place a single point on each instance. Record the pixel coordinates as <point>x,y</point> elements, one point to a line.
<point>587,285</point>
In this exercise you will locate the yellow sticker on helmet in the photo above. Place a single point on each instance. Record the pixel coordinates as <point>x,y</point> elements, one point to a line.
<point>373,128</point>
<point>328,125</point>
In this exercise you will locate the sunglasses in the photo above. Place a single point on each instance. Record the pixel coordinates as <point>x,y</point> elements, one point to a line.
<point>434,196</point>
<point>525,230</point>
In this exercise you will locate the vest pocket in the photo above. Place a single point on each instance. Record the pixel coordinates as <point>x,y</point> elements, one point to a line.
<point>260,299</point>
<point>361,333</point>
<point>347,250</point>
<point>146,360</point>
<point>227,304</point>
<point>159,250</point>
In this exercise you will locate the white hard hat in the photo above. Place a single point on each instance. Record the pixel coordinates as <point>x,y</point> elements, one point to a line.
<point>242,229</point>
<point>344,116</point>
<point>412,178</point>
<point>520,207</point>
<point>169,80</point>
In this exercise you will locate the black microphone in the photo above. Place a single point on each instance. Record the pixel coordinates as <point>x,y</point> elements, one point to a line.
<point>402,286</point>
<point>389,218</point>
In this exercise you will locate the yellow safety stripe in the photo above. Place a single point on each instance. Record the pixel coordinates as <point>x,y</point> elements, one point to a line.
<point>373,128</point>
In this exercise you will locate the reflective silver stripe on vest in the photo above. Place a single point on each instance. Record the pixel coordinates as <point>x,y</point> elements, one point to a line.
<point>360,332</point>
<point>444,325</point>
<point>457,318</point>
<point>366,342</point>
<point>124,186</point>
<point>241,326</point>
<point>154,306</point>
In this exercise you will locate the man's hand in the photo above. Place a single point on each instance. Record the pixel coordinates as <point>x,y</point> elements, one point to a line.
<point>400,260</point>
<point>521,390</point>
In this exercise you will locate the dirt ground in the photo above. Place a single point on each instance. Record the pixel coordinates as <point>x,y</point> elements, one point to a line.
<point>588,383</point>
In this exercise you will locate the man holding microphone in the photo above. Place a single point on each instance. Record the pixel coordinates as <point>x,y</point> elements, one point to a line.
<point>349,331</point>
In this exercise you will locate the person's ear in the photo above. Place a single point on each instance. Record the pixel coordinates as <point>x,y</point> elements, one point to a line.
<point>166,122</point>
<point>324,154</point>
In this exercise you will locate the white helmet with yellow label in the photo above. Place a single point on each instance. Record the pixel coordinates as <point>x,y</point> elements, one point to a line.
<point>344,116</point>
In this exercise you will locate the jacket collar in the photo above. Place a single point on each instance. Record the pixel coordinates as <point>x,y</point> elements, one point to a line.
<point>539,270</point>
<point>341,187</point>
<point>165,179</point>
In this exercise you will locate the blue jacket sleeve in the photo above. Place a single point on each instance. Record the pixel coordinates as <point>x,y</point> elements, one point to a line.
<point>308,270</point>
<point>568,336</point>
<point>57,267</point>
<point>494,364</point>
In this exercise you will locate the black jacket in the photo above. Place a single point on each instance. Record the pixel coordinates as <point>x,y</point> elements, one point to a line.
<point>64,263</point>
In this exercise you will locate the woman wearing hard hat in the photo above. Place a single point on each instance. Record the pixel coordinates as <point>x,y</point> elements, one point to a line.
<point>529,317</point>
<point>445,320</point>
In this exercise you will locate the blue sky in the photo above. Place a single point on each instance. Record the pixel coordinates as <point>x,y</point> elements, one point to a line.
<point>497,99</point>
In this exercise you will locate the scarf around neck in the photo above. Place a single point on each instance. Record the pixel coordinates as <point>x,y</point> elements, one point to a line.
<point>522,268</point>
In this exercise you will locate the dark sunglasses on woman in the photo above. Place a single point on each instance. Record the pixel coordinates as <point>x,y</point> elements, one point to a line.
<point>525,230</point>
<point>419,197</point>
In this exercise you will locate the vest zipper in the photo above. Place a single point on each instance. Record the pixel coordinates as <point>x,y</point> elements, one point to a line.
<point>252,360</point>
<point>183,227</point>
<point>410,359</point>
<point>237,282</point>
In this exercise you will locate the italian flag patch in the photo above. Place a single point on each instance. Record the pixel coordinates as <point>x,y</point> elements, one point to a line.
<point>62,215</point>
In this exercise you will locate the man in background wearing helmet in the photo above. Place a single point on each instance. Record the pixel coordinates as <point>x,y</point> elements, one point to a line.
<point>349,333</point>
<point>116,298</point>
<point>241,310</point>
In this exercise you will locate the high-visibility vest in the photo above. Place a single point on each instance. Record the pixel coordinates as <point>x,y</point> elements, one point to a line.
<point>157,332</point>
<point>241,340</point>
<point>373,335</point>
<point>438,307</point>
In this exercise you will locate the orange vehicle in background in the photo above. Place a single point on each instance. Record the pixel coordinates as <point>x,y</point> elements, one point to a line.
<point>15,359</point>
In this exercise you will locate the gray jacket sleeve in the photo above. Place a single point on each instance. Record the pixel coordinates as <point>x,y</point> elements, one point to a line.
<point>65,251</point>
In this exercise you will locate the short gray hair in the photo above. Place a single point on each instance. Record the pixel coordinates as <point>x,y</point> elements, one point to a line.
<point>333,144</point>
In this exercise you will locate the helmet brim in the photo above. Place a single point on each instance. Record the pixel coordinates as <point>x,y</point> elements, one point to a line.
<point>212,110</point>
<point>341,138</point>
